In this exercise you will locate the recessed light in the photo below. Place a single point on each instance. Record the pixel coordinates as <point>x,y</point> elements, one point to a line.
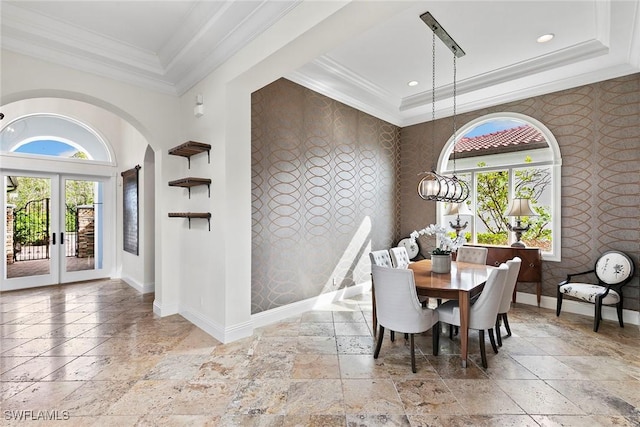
<point>545,38</point>
<point>413,83</point>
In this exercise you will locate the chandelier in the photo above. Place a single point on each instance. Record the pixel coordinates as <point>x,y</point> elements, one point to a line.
<point>434,186</point>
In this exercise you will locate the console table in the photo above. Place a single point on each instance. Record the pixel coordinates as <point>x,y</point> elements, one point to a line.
<point>530,269</point>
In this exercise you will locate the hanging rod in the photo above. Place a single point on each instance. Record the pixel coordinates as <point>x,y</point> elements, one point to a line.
<point>428,19</point>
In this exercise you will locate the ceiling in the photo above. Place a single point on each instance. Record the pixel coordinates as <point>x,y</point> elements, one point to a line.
<point>169,46</point>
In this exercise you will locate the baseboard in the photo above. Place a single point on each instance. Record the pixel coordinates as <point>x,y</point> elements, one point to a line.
<point>297,308</point>
<point>576,307</point>
<point>163,310</point>
<point>219,332</point>
<point>143,288</point>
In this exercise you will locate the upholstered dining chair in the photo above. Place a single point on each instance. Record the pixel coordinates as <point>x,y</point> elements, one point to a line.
<point>381,257</point>
<point>613,270</point>
<point>472,254</point>
<point>483,313</point>
<point>505,303</point>
<point>399,257</point>
<point>398,308</point>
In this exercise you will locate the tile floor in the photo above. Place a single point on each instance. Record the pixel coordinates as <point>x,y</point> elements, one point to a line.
<point>95,354</point>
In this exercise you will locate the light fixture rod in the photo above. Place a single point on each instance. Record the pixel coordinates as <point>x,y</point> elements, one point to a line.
<point>439,31</point>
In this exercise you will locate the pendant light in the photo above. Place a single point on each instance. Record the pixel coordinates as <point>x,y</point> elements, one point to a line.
<point>434,186</point>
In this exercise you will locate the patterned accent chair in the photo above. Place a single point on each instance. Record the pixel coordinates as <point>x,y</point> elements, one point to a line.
<point>613,270</point>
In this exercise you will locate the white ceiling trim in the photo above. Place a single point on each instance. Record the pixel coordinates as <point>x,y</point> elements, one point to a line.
<point>46,33</point>
<point>560,58</point>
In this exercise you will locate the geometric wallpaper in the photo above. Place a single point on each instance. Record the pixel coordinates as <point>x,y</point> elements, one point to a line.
<point>324,194</point>
<point>330,183</point>
<point>597,128</point>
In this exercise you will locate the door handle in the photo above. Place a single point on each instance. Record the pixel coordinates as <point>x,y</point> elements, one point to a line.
<point>62,238</point>
<point>53,238</point>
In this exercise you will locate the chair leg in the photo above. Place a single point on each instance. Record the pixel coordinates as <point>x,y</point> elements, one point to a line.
<point>558,302</point>
<point>619,310</point>
<point>450,332</point>
<point>406,336</point>
<point>598,314</point>
<point>493,341</point>
<point>483,353</point>
<point>436,338</point>
<point>506,324</point>
<point>393,336</point>
<point>413,355</point>
<point>379,344</point>
<point>498,332</point>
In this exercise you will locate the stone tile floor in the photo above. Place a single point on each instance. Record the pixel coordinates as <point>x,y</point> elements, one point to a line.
<point>95,354</point>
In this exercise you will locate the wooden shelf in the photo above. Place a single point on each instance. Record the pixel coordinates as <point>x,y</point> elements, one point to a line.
<point>191,148</point>
<point>189,215</point>
<point>191,182</point>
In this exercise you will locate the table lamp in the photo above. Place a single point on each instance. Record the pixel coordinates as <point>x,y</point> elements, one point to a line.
<point>458,209</point>
<point>519,208</point>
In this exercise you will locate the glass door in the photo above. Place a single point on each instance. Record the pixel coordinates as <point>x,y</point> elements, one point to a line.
<point>54,230</point>
<point>31,249</point>
<point>82,228</point>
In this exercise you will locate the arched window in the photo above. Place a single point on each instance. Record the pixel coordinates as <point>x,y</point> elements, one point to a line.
<point>503,156</point>
<point>53,135</point>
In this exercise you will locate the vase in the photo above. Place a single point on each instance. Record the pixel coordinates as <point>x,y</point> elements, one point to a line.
<point>441,263</point>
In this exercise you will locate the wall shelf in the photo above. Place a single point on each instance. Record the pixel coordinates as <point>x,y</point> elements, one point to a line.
<point>189,215</point>
<point>191,148</point>
<point>191,182</point>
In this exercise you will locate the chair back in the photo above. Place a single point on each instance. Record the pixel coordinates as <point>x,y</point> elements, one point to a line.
<point>472,254</point>
<point>397,305</point>
<point>380,258</point>
<point>614,268</point>
<point>484,311</point>
<point>510,284</point>
<point>399,257</point>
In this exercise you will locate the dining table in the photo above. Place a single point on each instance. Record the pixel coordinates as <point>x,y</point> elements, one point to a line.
<point>462,283</point>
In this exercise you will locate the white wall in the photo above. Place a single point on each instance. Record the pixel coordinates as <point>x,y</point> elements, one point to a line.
<point>204,275</point>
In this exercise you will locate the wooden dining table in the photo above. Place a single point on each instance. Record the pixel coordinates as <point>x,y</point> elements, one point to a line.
<point>462,283</point>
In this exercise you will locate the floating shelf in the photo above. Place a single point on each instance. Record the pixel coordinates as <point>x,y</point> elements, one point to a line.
<point>191,148</point>
<point>191,182</point>
<point>189,215</point>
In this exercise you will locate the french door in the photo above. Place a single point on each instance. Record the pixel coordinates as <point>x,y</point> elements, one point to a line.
<point>54,229</point>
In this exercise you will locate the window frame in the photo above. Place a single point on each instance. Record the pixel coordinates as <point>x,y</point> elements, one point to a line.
<point>554,164</point>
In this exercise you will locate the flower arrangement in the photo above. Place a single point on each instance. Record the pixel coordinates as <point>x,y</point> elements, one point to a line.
<point>446,244</point>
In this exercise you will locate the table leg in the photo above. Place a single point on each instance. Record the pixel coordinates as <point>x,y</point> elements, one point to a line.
<point>464,326</point>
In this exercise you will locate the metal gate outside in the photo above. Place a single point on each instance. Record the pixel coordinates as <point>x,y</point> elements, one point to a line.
<point>31,231</point>
<point>31,227</point>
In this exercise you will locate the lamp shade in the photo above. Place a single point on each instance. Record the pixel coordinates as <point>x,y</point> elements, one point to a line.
<point>520,207</point>
<point>458,209</point>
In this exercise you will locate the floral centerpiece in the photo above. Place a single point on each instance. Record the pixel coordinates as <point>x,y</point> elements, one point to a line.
<point>446,244</point>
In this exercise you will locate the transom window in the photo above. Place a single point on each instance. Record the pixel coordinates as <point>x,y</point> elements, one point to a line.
<point>53,135</point>
<point>504,156</point>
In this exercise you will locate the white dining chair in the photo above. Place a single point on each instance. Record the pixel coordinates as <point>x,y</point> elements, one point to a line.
<point>399,309</point>
<point>483,313</point>
<point>399,257</point>
<point>381,258</point>
<point>472,254</point>
<point>507,296</point>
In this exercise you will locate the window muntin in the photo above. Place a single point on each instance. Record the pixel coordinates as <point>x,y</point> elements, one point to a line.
<point>514,170</point>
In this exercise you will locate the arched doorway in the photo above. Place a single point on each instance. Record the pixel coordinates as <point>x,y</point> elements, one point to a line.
<point>58,188</point>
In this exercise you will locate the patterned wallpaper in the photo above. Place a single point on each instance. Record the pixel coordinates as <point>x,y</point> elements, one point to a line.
<point>330,183</point>
<point>598,130</point>
<point>325,193</point>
